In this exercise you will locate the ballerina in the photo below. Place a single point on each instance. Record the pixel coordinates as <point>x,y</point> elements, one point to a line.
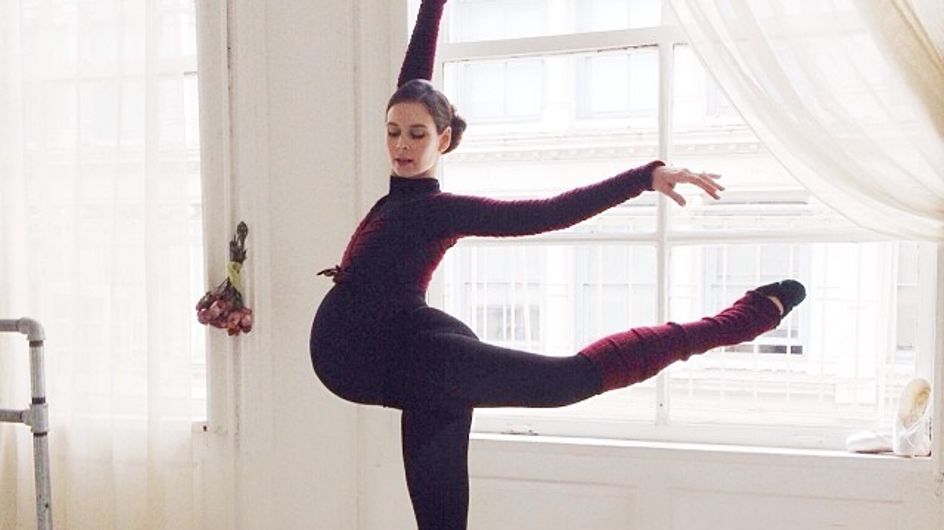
<point>375,341</point>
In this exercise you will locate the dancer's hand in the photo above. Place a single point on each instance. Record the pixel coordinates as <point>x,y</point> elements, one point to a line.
<point>664,179</point>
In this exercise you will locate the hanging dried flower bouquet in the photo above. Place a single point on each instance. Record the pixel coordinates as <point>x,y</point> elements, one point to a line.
<point>223,307</point>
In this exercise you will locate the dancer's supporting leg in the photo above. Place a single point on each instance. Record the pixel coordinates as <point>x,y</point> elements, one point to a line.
<point>435,457</point>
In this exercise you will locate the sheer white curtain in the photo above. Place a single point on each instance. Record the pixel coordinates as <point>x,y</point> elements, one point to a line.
<point>13,453</point>
<point>100,235</point>
<point>848,95</point>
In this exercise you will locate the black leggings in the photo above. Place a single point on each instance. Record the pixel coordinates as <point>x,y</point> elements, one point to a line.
<point>396,351</point>
<point>452,368</point>
<point>431,366</point>
<point>448,374</point>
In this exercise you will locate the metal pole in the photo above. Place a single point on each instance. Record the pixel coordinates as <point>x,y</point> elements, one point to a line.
<point>37,416</point>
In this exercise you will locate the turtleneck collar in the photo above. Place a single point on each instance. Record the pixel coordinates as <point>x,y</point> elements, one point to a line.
<point>412,186</point>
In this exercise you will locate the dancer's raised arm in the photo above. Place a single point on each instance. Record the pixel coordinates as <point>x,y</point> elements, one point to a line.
<point>421,53</point>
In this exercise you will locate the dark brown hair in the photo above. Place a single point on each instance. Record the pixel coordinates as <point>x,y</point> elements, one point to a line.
<point>443,112</point>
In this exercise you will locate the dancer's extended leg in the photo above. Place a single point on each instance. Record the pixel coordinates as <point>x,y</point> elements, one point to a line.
<point>443,362</point>
<point>640,353</point>
<point>435,448</point>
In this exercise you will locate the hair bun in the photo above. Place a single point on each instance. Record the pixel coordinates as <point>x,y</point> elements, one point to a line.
<point>458,126</point>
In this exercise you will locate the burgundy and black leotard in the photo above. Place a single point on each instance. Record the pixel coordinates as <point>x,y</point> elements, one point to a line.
<point>374,340</point>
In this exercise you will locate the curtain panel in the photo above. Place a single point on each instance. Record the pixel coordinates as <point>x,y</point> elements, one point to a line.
<point>100,228</point>
<point>849,96</point>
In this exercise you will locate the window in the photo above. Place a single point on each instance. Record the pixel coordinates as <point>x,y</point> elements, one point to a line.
<point>619,85</point>
<point>111,146</point>
<point>496,91</point>
<point>615,87</point>
<point>483,20</point>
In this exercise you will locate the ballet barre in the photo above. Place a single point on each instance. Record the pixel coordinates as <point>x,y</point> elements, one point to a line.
<point>36,416</point>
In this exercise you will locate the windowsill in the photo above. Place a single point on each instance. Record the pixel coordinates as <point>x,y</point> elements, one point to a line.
<point>717,453</point>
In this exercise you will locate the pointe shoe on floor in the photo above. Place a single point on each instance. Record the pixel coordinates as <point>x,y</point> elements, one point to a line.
<point>789,292</point>
<point>911,434</point>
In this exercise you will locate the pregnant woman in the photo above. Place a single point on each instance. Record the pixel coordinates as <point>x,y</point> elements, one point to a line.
<point>375,341</point>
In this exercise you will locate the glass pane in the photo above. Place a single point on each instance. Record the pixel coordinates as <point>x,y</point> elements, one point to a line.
<point>831,363</point>
<point>621,85</point>
<point>85,117</point>
<point>178,28</point>
<point>555,300</point>
<point>499,91</point>
<point>478,20</point>
<point>908,295</point>
<point>602,15</point>
<point>709,135</point>
<point>541,126</point>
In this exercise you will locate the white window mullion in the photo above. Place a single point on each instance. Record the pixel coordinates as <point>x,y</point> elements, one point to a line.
<point>859,303</point>
<point>504,315</point>
<point>631,254</point>
<point>755,349</point>
<point>681,238</point>
<point>513,297</point>
<point>929,263</point>
<point>884,366</point>
<point>487,299</point>
<point>933,256</point>
<point>595,41</point>
<point>666,64</point>
<point>788,352</point>
<point>723,275</point>
<point>473,281</point>
<point>526,301</point>
<point>441,43</point>
<point>598,298</point>
<point>821,273</point>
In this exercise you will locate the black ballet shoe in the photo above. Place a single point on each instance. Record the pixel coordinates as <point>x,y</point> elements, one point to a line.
<point>789,292</point>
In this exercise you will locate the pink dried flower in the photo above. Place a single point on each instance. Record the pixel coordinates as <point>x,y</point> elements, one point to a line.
<point>223,307</point>
<point>233,318</point>
<point>216,309</point>
<point>246,321</point>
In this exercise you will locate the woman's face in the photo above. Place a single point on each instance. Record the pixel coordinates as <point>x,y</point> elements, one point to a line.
<point>413,144</point>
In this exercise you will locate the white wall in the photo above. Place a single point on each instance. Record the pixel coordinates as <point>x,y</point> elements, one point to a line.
<point>304,161</point>
<point>281,451</point>
<point>311,181</point>
<point>559,484</point>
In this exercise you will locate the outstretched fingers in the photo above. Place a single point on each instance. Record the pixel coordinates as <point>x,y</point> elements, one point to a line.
<point>674,195</point>
<point>707,182</point>
<point>665,179</point>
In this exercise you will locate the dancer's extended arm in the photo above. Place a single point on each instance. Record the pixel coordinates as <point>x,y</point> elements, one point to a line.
<point>460,215</point>
<point>478,216</point>
<point>421,53</point>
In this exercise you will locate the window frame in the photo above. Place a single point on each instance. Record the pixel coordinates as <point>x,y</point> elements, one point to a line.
<point>664,39</point>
